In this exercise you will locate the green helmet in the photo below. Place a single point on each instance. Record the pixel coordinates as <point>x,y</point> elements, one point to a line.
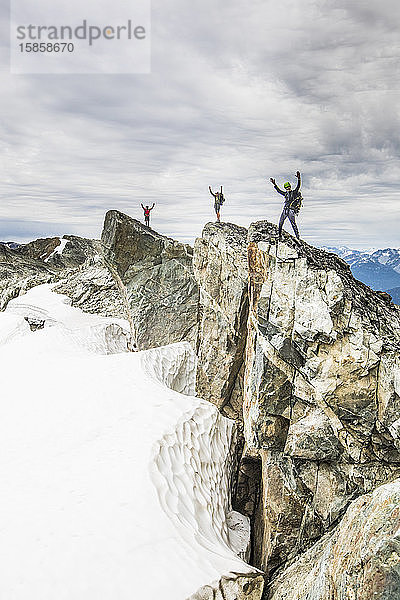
<point>287,185</point>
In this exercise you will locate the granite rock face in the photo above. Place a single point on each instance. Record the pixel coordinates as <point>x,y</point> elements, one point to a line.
<point>221,270</point>
<point>44,260</point>
<point>19,273</point>
<point>220,267</point>
<point>157,273</point>
<point>93,289</point>
<point>317,385</point>
<point>360,559</point>
<point>85,278</point>
<point>241,587</point>
<point>133,273</point>
<point>321,395</point>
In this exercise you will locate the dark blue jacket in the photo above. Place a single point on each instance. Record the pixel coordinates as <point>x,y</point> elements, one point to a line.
<point>289,195</point>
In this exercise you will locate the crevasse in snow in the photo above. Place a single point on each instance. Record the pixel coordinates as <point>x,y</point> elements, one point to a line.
<point>114,476</point>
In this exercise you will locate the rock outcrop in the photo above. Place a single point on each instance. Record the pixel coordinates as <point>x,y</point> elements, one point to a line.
<point>220,266</point>
<point>92,287</point>
<point>157,273</point>
<point>322,389</point>
<point>46,260</point>
<point>241,587</point>
<point>39,249</point>
<point>317,386</point>
<point>360,559</point>
<point>221,269</point>
<point>132,273</point>
<point>19,273</point>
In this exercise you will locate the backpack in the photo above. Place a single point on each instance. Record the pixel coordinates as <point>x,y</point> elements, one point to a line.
<point>296,203</point>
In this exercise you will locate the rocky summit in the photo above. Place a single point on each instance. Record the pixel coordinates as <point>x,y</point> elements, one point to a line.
<point>321,399</point>
<point>157,273</point>
<point>314,357</point>
<point>305,359</point>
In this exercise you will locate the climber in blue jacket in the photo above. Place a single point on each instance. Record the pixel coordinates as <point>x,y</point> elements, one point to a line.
<point>292,204</point>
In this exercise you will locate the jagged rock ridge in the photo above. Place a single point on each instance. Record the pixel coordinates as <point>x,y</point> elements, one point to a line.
<point>220,266</point>
<point>321,382</point>
<point>132,272</point>
<point>158,276</point>
<point>321,397</point>
<point>303,356</point>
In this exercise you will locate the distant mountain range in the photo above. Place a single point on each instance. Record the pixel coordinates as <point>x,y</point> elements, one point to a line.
<point>12,245</point>
<point>380,269</point>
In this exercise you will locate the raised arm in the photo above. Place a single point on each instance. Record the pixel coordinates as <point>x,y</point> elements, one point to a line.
<point>153,206</point>
<point>272,180</point>
<point>142,206</point>
<point>215,195</point>
<point>298,182</point>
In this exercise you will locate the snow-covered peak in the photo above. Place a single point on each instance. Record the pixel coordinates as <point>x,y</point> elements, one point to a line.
<point>369,262</point>
<point>389,257</point>
<point>11,245</point>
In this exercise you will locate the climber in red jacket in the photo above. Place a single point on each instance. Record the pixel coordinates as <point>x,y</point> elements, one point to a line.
<point>146,211</point>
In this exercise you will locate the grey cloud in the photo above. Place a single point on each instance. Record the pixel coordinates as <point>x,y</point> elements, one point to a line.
<point>238,93</point>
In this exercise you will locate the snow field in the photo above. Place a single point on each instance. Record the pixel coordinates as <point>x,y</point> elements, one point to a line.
<point>114,477</point>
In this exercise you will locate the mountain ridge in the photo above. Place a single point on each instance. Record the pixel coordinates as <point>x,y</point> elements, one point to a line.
<point>289,344</point>
<point>379,268</point>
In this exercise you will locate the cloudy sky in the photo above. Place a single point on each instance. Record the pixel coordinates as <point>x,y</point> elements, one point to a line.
<point>239,91</point>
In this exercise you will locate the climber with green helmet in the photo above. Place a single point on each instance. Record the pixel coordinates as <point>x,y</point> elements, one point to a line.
<point>292,204</point>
